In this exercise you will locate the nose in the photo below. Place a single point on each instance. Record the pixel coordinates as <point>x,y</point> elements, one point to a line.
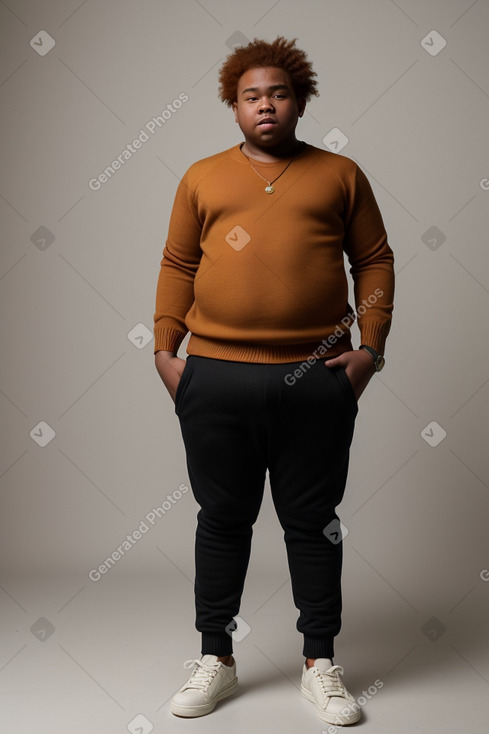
<point>266,106</point>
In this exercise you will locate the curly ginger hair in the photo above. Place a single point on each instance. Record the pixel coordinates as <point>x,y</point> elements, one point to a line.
<point>280,53</point>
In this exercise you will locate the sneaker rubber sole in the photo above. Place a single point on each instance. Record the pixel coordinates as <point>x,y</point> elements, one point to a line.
<point>205,708</point>
<point>339,719</point>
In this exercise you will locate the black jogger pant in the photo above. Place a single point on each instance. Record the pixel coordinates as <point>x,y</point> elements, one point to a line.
<point>239,419</point>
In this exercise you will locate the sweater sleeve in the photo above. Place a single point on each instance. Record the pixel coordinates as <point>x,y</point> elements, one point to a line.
<point>178,266</point>
<point>372,262</point>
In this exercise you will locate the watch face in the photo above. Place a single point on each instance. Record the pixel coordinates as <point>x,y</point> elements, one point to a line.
<point>380,362</point>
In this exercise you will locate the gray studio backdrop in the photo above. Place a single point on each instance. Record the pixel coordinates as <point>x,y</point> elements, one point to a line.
<point>91,451</point>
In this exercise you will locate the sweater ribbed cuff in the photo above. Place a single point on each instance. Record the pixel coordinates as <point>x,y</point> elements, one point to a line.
<point>374,335</point>
<point>167,339</point>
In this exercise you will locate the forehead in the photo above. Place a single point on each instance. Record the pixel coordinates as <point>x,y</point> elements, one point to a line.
<point>263,77</point>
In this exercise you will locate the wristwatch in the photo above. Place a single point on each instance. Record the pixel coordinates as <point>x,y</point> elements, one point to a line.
<point>378,359</point>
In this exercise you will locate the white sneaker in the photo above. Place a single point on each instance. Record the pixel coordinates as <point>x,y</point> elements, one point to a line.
<point>322,684</point>
<point>210,681</point>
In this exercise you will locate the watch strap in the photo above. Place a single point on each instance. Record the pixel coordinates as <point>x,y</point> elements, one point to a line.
<point>378,359</point>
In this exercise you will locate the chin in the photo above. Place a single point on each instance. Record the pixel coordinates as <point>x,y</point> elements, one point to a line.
<point>267,140</point>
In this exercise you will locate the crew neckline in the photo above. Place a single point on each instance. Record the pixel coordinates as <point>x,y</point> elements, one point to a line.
<point>246,159</point>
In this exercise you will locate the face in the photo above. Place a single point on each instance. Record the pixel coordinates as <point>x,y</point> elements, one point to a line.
<point>267,109</point>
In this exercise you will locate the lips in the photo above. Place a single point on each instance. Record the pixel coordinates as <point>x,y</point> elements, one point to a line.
<point>267,121</point>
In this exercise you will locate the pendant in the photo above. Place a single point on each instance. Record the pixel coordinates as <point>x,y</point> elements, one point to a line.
<point>269,189</point>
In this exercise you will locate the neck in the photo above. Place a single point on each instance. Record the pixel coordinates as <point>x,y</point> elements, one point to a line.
<point>273,153</point>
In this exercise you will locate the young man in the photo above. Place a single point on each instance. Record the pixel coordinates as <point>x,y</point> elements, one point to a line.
<point>253,267</point>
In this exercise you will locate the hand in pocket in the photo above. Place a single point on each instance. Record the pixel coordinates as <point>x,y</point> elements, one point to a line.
<point>170,368</point>
<point>359,368</point>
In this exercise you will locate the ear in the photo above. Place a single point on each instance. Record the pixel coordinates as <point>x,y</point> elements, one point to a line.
<point>235,110</point>
<point>301,104</point>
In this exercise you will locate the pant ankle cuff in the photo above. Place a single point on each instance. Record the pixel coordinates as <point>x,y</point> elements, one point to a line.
<point>318,648</point>
<point>217,643</point>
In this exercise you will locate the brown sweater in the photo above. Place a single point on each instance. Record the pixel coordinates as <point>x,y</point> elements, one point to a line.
<point>259,277</point>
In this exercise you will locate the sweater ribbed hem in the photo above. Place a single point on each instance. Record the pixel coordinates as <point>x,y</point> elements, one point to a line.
<point>266,353</point>
<point>217,643</point>
<point>318,648</point>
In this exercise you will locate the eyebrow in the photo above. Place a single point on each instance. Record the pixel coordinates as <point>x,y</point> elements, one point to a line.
<point>273,88</point>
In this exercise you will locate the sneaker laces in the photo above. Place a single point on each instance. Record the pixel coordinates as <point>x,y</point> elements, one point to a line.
<point>331,683</point>
<point>203,674</point>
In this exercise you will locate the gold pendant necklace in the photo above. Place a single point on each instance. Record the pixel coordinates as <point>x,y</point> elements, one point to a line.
<point>269,189</point>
